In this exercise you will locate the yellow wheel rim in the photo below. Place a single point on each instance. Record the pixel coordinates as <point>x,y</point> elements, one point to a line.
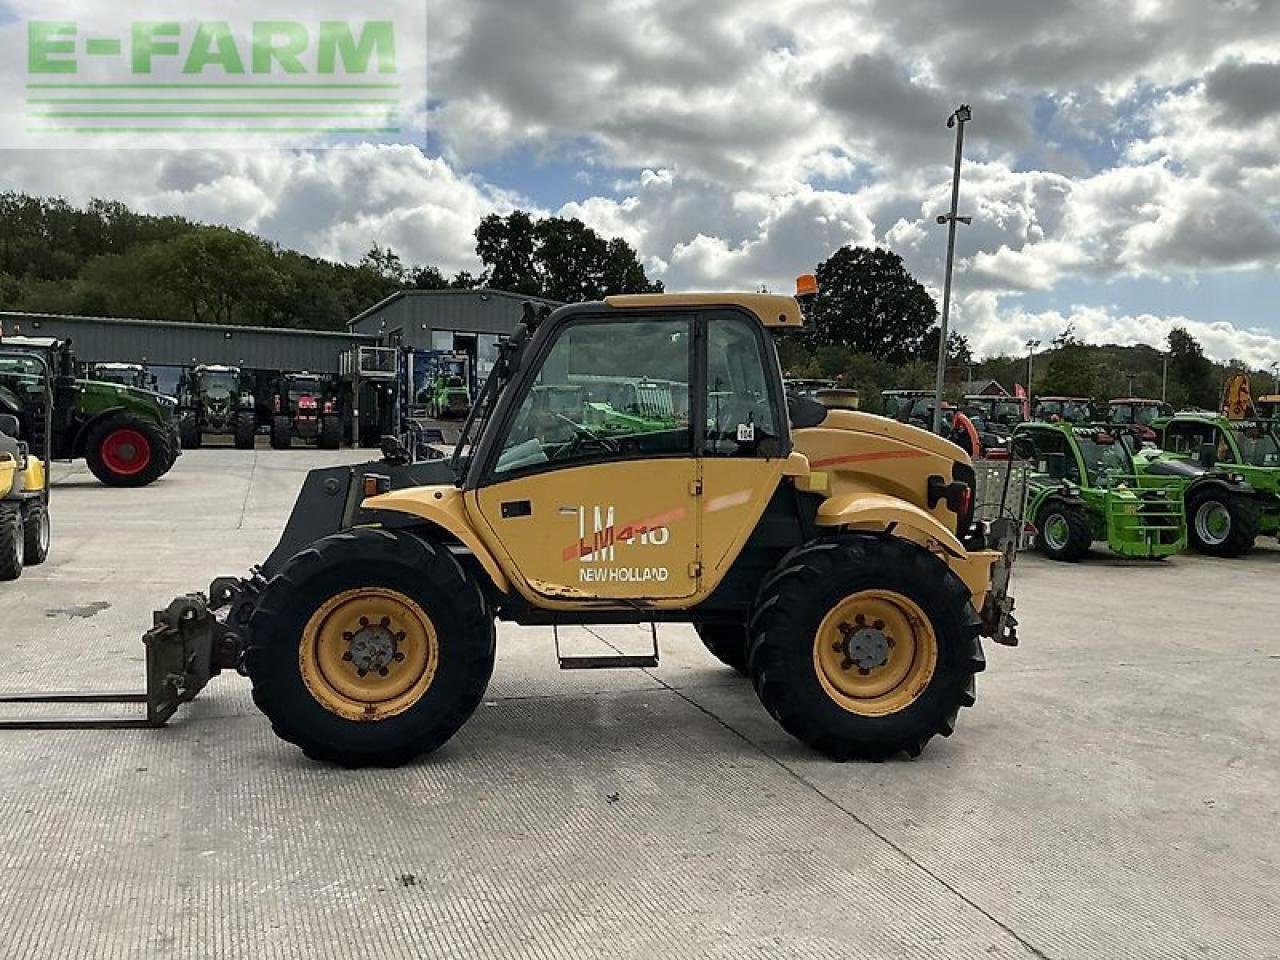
<point>875,652</point>
<point>368,654</point>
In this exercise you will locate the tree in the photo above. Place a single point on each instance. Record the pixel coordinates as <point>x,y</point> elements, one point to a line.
<point>1072,370</point>
<point>1191,372</point>
<point>507,248</point>
<point>870,303</point>
<point>557,258</point>
<point>386,263</point>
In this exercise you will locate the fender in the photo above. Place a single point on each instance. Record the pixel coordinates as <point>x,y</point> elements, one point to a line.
<point>963,424</point>
<point>77,438</point>
<point>1221,483</point>
<point>879,510</point>
<point>443,507</point>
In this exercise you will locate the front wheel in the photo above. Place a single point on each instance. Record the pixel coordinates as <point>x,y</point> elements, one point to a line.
<point>1222,524</point>
<point>281,433</point>
<point>127,451</point>
<point>12,542</point>
<point>1063,531</point>
<point>36,533</point>
<point>864,647</point>
<point>370,648</point>
<point>330,433</point>
<point>245,428</point>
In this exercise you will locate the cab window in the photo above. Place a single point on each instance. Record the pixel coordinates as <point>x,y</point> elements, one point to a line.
<point>741,415</point>
<point>607,390</point>
<point>1188,437</point>
<point>1054,454</point>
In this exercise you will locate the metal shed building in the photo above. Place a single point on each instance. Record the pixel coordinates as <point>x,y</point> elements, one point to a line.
<point>161,343</point>
<point>462,321</point>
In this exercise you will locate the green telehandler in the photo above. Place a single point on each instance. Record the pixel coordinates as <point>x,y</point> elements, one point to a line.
<point>1084,487</point>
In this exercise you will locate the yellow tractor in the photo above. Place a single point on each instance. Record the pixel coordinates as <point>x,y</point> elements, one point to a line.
<point>632,461</point>
<point>26,409</point>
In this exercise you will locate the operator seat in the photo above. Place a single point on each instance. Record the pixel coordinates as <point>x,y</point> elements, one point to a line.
<point>9,430</point>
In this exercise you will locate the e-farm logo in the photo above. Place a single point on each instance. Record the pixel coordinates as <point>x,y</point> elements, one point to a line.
<point>265,77</point>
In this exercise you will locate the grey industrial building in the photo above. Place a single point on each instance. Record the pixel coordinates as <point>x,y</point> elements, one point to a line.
<point>453,321</point>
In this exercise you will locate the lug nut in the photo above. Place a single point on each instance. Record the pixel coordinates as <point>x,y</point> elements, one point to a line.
<point>398,656</point>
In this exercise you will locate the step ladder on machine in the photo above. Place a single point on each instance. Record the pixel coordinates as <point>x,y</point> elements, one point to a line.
<point>616,661</point>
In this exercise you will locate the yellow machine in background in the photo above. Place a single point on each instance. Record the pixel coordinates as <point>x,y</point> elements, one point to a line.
<point>634,461</point>
<point>26,410</point>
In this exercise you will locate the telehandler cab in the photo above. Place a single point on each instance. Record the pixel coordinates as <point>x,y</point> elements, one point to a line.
<point>829,554</point>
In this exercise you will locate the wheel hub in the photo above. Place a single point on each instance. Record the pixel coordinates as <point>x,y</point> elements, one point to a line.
<point>865,645</point>
<point>374,647</point>
<point>369,653</point>
<point>874,652</point>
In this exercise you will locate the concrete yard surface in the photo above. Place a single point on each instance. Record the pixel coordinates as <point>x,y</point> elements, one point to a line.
<point>1115,792</point>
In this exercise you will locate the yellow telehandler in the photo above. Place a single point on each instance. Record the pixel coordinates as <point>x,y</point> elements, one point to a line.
<point>635,460</point>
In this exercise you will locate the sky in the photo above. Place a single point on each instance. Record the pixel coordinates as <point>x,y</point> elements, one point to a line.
<point>1122,166</point>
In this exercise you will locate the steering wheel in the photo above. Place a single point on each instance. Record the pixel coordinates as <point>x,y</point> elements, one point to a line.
<point>581,433</point>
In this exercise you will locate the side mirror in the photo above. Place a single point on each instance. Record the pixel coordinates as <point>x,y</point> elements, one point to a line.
<point>9,425</point>
<point>1208,455</point>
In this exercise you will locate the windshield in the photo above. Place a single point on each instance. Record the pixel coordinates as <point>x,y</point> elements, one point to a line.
<point>1072,411</point>
<point>1105,462</point>
<point>894,405</point>
<point>304,388</point>
<point>1258,445</point>
<point>219,380</point>
<point>21,365</point>
<point>1007,411</point>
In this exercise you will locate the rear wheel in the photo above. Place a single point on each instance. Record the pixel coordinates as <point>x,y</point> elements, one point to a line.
<point>863,647</point>
<point>370,647</point>
<point>330,433</point>
<point>189,433</point>
<point>127,451</point>
<point>36,533</point>
<point>12,545</point>
<point>245,429</point>
<point>727,643</point>
<point>281,433</point>
<point>1063,531</point>
<point>1221,523</point>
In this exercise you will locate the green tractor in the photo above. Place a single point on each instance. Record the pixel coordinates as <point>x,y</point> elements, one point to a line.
<point>126,374</point>
<point>1247,450</point>
<point>216,401</point>
<point>446,394</point>
<point>1084,487</point>
<point>128,437</point>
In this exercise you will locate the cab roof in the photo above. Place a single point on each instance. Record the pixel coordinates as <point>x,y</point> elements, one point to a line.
<point>773,310</point>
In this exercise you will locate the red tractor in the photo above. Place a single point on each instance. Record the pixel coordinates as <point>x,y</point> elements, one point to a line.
<point>304,407</point>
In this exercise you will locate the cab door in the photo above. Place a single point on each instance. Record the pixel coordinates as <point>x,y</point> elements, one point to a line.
<point>592,490</point>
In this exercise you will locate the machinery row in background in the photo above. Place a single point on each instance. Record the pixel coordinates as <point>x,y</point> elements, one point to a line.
<point>1133,473</point>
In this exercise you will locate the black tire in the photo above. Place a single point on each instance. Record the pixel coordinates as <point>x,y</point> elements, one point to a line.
<point>1240,511</point>
<point>152,464</point>
<point>792,605</point>
<point>36,533</point>
<point>12,545</point>
<point>189,433</point>
<point>281,433</point>
<point>330,433</point>
<point>727,643</point>
<point>245,428</point>
<point>396,560</point>
<point>1078,533</point>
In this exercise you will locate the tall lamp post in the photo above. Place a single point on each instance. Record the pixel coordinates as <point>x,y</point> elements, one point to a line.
<point>957,120</point>
<point>1031,353</point>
